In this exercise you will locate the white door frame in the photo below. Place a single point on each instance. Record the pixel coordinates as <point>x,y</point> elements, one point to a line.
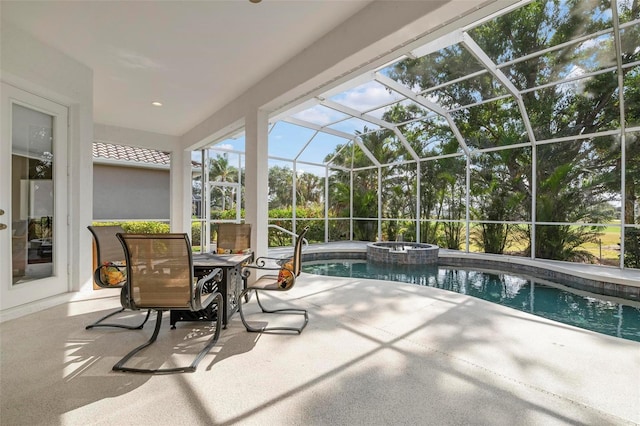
<point>30,291</point>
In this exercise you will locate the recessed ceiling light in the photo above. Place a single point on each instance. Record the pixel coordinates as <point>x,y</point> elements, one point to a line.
<point>156,103</point>
<point>255,1</point>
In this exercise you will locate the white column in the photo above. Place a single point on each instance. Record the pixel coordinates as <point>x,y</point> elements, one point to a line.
<point>180,191</point>
<point>80,196</point>
<point>257,179</point>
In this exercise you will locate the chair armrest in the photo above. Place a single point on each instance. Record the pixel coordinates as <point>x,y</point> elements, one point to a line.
<point>245,272</point>
<point>262,260</point>
<point>217,296</point>
<point>215,274</point>
<point>260,263</point>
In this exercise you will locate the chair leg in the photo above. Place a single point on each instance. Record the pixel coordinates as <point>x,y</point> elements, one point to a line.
<point>128,327</point>
<point>293,311</point>
<point>188,369</point>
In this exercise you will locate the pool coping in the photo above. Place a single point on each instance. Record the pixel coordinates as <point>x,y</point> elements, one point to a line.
<point>598,279</point>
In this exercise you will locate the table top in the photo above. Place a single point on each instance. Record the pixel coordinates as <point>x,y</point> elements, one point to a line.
<point>220,260</point>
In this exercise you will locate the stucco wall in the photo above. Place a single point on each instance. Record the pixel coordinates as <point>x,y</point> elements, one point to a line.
<point>133,193</point>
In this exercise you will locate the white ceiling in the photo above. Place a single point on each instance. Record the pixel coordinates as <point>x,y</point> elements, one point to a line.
<point>193,56</point>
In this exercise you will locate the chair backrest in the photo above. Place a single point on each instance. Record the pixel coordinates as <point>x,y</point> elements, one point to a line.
<point>234,237</point>
<point>297,251</point>
<point>108,248</point>
<point>159,270</point>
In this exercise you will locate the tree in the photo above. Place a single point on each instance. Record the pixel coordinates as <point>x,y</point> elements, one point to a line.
<point>280,187</point>
<point>309,189</point>
<point>221,171</point>
<point>569,173</point>
<point>540,148</point>
<point>365,189</point>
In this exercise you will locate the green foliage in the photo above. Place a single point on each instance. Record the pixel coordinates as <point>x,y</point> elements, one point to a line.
<point>563,242</point>
<point>632,248</point>
<point>196,234</point>
<point>279,217</point>
<point>452,235</point>
<point>280,187</point>
<point>150,227</point>
<point>221,171</point>
<point>499,195</point>
<point>309,188</point>
<point>398,230</point>
<point>225,214</point>
<point>573,178</point>
<point>316,211</point>
<point>339,230</point>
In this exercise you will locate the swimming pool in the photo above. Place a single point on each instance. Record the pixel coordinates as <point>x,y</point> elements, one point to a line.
<point>611,316</point>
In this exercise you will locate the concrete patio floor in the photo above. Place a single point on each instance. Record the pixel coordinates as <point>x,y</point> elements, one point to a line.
<point>374,353</point>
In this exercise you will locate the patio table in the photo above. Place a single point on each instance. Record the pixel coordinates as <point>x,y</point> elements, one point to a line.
<point>230,286</point>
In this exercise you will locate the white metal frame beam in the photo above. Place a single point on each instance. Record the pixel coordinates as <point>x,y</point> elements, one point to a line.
<point>484,59</point>
<point>421,100</point>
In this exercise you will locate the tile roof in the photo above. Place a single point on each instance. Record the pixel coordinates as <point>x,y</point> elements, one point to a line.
<point>129,153</point>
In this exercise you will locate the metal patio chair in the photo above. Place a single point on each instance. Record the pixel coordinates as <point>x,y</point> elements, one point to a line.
<point>283,281</point>
<point>111,270</point>
<point>233,238</point>
<point>160,277</point>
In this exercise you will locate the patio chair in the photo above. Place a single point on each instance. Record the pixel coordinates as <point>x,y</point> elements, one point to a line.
<point>160,277</point>
<point>233,238</point>
<point>289,269</point>
<point>111,270</point>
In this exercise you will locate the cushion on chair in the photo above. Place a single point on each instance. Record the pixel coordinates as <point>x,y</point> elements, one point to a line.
<point>285,276</point>
<point>113,273</point>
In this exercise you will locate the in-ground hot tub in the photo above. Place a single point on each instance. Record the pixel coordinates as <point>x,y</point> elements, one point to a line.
<point>402,253</point>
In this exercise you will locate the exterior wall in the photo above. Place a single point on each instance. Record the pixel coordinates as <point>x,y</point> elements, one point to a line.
<point>180,174</point>
<point>133,193</point>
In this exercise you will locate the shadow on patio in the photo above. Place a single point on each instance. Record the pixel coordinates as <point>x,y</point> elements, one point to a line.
<point>374,352</point>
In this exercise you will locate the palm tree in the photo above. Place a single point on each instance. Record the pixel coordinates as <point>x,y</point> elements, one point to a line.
<point>221,171</point>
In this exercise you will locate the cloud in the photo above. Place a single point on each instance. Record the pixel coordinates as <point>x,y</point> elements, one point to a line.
<point>224,146</point>
<point>366,97</point>
<point>319,115</point>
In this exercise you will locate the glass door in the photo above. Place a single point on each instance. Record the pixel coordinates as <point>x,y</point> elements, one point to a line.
<point>33,199</point>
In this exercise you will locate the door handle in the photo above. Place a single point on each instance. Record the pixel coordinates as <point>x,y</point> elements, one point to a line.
<point>1,212</point>
<point>2,226</point>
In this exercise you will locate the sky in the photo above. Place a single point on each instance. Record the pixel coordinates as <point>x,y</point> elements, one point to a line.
<point>290,141</point>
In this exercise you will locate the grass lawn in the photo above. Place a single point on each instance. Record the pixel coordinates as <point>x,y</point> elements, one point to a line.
<point>607,249</point>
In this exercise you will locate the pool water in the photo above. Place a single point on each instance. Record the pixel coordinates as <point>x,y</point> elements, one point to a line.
<point>614,317</point>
